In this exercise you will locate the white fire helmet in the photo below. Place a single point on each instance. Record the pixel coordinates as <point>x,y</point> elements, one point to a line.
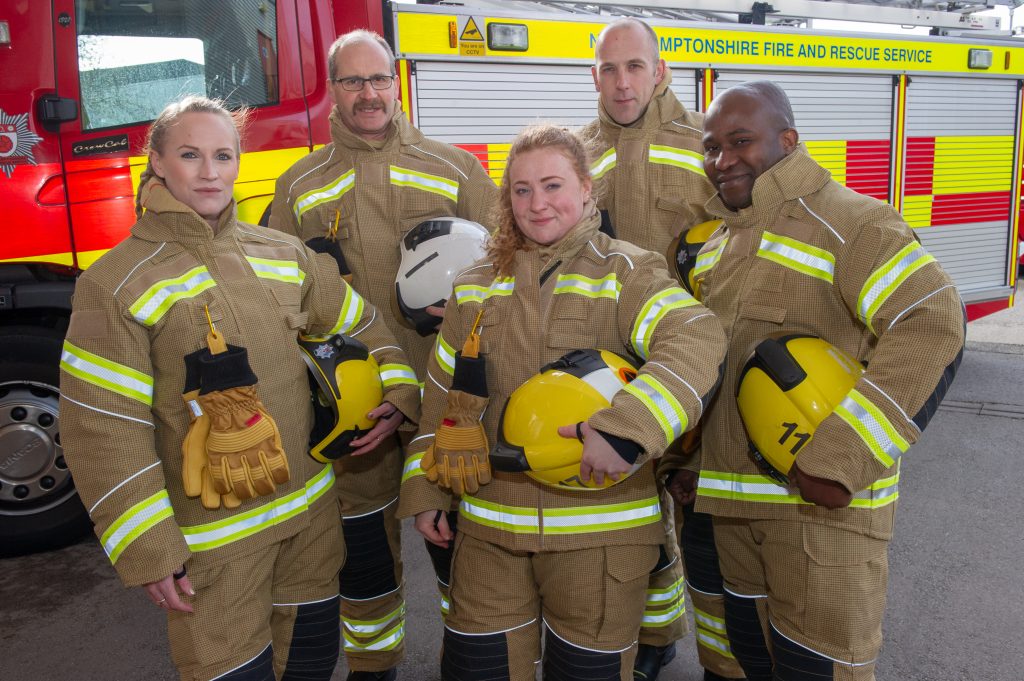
<point>433,253</point>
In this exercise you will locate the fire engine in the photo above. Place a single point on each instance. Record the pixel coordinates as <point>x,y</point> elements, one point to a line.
<point>931,124</point>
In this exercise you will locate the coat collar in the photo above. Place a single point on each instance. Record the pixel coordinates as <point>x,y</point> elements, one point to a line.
<point>795,176</point>
<point>571,244</point>
<point>167,219</point>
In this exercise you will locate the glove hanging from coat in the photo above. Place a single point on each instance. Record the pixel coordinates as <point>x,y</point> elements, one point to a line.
<point>243,448</point>
<point>195,471</point>
<point>457,459</point>
<point>329,244</point>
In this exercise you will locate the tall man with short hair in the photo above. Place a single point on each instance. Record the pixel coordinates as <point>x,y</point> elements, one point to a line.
<point>651,188</point>
<point>805,563</point>
<point>378,178</point>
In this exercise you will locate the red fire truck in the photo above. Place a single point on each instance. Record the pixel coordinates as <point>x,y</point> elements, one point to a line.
<point>931,124</point>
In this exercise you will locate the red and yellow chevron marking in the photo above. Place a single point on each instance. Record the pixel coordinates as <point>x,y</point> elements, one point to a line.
<point>958,180</point>
<point>861,165</point>
<point>899,146</point>
<point>491,156</point>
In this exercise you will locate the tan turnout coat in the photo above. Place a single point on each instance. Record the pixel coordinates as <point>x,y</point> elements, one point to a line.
<point>137,312</point>
<point>598,293</point>
<point>812,257</point>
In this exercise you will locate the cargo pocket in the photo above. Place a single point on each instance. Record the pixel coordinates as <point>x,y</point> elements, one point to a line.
<point>572,326</point>
<point>627,572</point>
<point>847,573</point>
<point>676,212</point>
<point>289,300</point>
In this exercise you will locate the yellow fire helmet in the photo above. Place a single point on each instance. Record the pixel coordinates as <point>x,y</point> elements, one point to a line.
<point>786,388</point>
<point>345,381</point>
<point>565,392</point>
<point>682,252</point>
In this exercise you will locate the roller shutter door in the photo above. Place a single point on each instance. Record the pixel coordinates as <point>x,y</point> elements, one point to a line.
<point>959,176</point>
<point>474,102</point>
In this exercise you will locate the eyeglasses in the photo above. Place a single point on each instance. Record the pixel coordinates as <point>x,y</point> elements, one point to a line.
<point>355,83</point>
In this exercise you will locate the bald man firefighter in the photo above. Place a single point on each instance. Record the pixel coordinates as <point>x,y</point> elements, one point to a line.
<point>650,172</point>
<point>828,298</point>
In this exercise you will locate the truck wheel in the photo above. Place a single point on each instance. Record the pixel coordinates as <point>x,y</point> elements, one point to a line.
<point>39,506</point>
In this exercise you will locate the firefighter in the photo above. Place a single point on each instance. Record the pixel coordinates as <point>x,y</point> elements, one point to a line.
<point>652,190</point>
<point>210,503</point>
<point>531,559</point>
<point>357,196</point>
<point>804,563</point>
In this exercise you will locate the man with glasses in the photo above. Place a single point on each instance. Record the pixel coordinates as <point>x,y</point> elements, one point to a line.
<point>357,197</point>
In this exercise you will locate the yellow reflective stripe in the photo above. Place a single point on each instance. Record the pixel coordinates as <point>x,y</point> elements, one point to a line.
<point>660,304</point>
<point>884,281</point>
<point>667,594</point>
<point>706,620</point>
<point>279,270</point>
<point>708,259</point>
<point>607,286</point>
<point>471,293</point>
<point>412,467</point>
<point>389,641</point>
<point>152,305</point>
<point>231,529</point>
<point>397,374</point>
<point>351,312</point>
<point>798,256</point>
<point>762,489</point>
<point>665,606</point>
<point>131,524</point>
<point>674,156</point>
<point>435,184</point>
<point>661,403</point>
<point>509,518</point>
<point>602,518</point>
<point>876,431</point>
<point>445,355</point>
<point>602,165</point>
<point>376,626</point>
<point>334,190</point>
<point>572,520</point>
<point>653,619</point>
<point>106,374</point>
<point>445,605</point>
<point>716,643</point>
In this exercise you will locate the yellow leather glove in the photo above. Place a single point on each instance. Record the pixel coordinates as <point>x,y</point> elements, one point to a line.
<point>457,459</point>
<point>195,473</point>
<point>243,447</point>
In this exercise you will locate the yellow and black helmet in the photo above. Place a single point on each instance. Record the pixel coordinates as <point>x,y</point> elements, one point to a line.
<point>567,391</point>
<point>786,388</point>
<point>682,252</point>
<point>345,381</point>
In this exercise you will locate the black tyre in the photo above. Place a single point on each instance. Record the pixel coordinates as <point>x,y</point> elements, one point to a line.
<point>39,506</point>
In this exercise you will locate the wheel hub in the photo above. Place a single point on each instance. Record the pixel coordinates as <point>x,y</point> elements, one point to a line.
<point>33,472</point>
